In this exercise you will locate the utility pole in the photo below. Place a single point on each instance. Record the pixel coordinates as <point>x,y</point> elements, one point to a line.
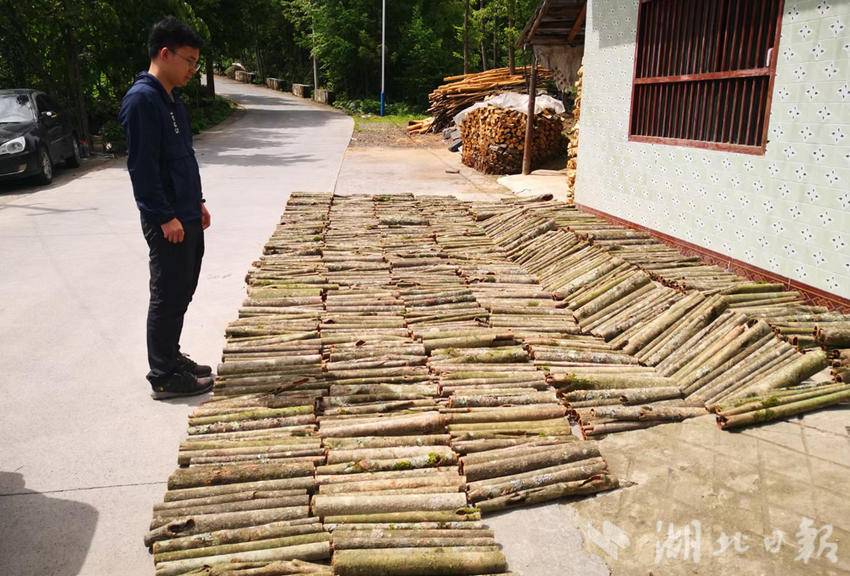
<point>383,55</point>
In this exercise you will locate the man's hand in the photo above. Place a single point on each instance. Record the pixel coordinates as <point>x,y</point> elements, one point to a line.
<point>205,216</point>
<point>173,231</point>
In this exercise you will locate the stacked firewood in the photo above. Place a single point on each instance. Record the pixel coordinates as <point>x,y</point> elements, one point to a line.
<point>420,126</point>
<point>494,139</point>
<point>463,91</point>
<point>572,136</point>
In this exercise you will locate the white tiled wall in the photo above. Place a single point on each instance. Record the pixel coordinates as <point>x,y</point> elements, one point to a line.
<point>787,211</point>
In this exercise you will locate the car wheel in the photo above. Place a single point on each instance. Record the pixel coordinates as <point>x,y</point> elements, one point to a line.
<point>45,167</point>
<point>73,161</point>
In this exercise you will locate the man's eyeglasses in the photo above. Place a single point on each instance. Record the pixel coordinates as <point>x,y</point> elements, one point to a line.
<point>194,65</point>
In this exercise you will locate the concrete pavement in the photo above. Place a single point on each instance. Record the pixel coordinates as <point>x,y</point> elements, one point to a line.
<point>423,171</point>
<point>84,451</point>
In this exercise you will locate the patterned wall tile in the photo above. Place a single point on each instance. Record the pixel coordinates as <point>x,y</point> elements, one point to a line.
<point>787,211</point>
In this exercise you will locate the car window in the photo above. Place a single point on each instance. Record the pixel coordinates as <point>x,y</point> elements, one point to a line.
<point>44,104</point>
<point>51,104</point>
<point>16,108</point>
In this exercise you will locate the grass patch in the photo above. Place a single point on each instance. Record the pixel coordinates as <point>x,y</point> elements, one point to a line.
<point>367,122</point>
<point>366,114</point>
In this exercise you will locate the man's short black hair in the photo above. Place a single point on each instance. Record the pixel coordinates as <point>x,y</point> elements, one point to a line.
<point>171,33</point>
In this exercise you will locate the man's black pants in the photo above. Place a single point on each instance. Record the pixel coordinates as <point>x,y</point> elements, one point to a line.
<point>175,269</point>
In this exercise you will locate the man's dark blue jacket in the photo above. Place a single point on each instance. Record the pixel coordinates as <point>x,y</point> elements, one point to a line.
<point>161,160</point>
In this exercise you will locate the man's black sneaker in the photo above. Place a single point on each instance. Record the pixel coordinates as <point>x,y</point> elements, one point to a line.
<point>188,365</point>
<point>181,384</point>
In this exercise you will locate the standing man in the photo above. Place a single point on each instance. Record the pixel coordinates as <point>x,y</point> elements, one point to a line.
<point>167,186</point>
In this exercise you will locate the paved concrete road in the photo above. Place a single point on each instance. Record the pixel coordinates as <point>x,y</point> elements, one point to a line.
<point>84,451</point>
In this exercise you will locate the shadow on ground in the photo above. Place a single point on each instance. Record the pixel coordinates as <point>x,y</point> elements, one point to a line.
<point>261,130</point>
<point>40,534</point>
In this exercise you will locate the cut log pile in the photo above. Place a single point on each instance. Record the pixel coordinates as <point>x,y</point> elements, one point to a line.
<point>494,139</point>
<point>572,137</point>
<point>461,92</point>
<point>356,391</point>
<point>401,367</point>
<point>715,343</point>
<point>840,362</point>
<point>689,349</point>
<point>420,126</point>
<point>780,403</point>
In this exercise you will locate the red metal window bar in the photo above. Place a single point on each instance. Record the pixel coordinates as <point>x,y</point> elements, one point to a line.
<point>704,72</point>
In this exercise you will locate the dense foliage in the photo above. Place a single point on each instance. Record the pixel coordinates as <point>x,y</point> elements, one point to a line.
<point>86,52</point>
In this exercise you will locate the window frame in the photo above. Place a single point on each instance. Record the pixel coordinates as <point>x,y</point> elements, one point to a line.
<point>769,71</point>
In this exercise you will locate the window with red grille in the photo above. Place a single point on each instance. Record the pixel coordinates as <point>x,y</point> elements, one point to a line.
<point>704,73</point>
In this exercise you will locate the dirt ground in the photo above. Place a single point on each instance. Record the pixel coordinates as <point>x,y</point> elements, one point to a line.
<point>372,131</point>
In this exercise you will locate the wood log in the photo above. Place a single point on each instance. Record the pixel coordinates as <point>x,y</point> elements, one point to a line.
<point>242,546</point>
<point>233,536</point>
<point>343,505</point>
<point>275,568</point>
<point>479,491</point>
<point>779,397</point>
<point>548,493</point>
<point>520,463</point>
<point>454,561</point>
<point>414,541</point>
<point>834,337</point>
<point>343,443</point>
<point>299,483</point>
<point>443,453</point>
<point>782,410</point>
<point>191,525</point>
<point>803,367</point>
<point>465,514</point>
<point>314,551</point>
<point>436,484</point>
<point>396,426</point>
<point>237,473</point>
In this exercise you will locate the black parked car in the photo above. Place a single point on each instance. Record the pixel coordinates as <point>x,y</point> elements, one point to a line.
<point>34,136</point>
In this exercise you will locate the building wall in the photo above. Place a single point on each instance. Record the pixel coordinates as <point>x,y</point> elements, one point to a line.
<point>788,211</point>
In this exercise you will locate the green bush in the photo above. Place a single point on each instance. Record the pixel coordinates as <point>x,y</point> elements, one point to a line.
<point>364,106</point>
<point>372,106</point>
<point>113,136</point>
<point>209,113</point>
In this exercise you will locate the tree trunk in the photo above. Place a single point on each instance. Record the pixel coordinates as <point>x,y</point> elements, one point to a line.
<point>210,76</point>
<point>481,42</point>
<point>466,36</point>
<point>495,43</point>
<point>82,120</point>
<point>258,54</point>
<point>315,60</point>
<point>511,39</point>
